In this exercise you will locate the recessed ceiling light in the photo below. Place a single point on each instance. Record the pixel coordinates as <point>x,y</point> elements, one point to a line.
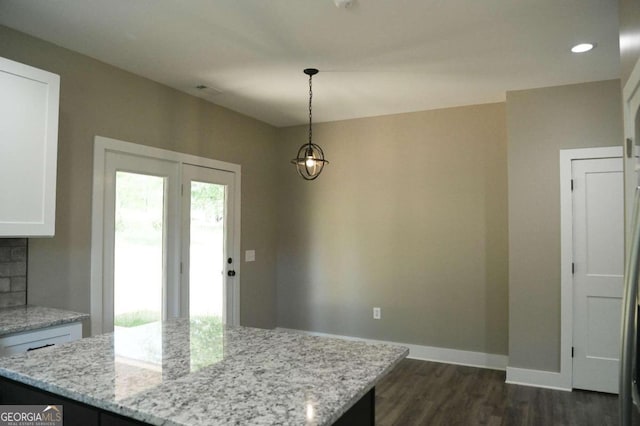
<point>582,47</point>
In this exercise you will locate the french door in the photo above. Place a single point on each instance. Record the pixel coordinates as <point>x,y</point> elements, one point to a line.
<point>140,228</point>
<point>207,255</point>
<point>165,237</point>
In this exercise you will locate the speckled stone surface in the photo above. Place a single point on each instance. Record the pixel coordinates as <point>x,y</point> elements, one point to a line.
<point>185,372</point>
<point>24,318</point>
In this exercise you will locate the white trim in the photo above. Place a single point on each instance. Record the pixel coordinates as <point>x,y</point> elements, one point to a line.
<point>537,378</point>
<point>633,82</point>
<point>564,378</point>
<point>459,357</point>
<point>630,106</point>
<point>101,146</point>
<point>429,353</point>
<point>97,243</point>
<point>163,154</point>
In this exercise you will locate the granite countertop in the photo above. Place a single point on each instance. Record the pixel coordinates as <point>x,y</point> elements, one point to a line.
<point>25,318</point>
<point>199,372</point>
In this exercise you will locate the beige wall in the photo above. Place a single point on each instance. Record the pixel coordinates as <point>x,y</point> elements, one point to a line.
<point>410,216</point>
<point>98,99</point>
<point>540,122</point>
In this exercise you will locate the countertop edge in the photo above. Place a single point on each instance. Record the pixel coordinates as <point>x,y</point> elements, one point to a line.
<point>25,318</point>
<point>31,327</point>
<point>367,388</point>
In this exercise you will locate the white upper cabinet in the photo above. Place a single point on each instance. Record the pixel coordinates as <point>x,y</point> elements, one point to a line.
<point>29,100</point>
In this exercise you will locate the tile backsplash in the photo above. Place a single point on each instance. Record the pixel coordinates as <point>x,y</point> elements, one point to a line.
<point>13,271</point>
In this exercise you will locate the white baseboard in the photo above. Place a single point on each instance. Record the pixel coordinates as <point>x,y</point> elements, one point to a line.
<point>455,356</point>
<point>431,353</point>
<point>538,378</point>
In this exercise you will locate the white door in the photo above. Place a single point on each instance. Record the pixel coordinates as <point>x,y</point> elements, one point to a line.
<point>208,264</point>
<point>140,229</point>
<point>598,232</point>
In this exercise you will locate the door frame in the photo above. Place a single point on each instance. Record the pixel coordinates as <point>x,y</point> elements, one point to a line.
<point>631,107</point>
<point>565,380</point>
<point>102,145</point>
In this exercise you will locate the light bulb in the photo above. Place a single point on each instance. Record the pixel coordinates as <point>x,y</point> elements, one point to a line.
<point>310,162</point>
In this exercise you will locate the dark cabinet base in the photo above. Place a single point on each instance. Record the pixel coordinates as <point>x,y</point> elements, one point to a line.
<point>78,414</point>
<point>74,413</point>
<point>363,412</point>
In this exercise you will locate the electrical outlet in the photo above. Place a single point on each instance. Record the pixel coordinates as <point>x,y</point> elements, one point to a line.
<point>377,313</point>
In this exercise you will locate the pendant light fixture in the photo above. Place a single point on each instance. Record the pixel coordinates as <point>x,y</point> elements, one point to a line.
<point>310,160</point>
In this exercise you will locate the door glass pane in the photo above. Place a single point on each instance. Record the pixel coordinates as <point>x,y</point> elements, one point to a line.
<point>206,251</point>
<point>138,259</point>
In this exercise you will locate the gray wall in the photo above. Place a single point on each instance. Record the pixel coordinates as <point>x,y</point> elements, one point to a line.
<point>410,216</point>
<point>540,122</point>
<point>98,99</point>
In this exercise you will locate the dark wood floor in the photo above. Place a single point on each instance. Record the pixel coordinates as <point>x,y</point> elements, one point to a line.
<point>430,393</point>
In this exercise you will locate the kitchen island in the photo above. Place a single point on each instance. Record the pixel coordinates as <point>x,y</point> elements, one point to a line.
<point>199,372</point>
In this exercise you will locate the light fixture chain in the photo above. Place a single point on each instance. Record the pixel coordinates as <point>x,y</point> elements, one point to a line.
<point>310,114</point>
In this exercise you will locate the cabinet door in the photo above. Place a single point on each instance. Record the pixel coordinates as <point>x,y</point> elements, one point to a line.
<point>28,149</point>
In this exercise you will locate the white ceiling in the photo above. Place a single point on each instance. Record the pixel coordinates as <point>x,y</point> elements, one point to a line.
<point>377,57</point>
